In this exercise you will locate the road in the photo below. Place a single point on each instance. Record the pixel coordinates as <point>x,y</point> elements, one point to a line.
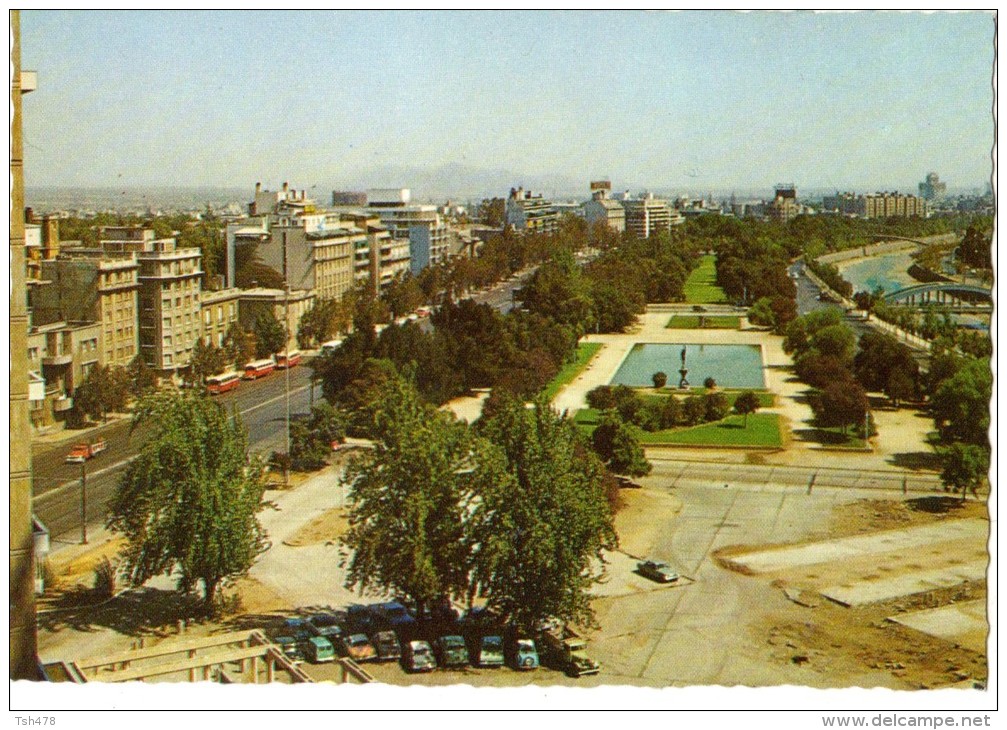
<point>807,301</point>
<point>56,484</point>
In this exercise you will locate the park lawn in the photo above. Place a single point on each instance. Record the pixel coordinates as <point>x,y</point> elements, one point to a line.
<point>691,322</point>
<point>585,351</point>
<point>763,430</point>
<point>701,286</point>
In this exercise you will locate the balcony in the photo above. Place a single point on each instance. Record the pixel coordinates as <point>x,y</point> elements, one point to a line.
<point>61,405</point>
<point>57,360</point>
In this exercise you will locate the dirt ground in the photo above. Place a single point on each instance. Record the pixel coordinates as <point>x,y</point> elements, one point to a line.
<point>841,642</point>
<point>643,514</point>
<point>327,527</point>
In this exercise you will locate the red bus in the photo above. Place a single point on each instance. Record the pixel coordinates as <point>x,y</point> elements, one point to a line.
<point>259,368</point>
<point>217,384</point>
<point>288,359</point>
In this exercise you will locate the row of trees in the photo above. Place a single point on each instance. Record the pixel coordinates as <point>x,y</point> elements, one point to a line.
<point>823,350</point>
<point>109,389</point>
<point>513,509</point>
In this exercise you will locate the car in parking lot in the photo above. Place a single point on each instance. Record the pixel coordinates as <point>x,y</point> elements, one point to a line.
<point>357,647</point>
<point>393,615</point>
<point>450,651</point>
<point>298,628</point>
<point>523,654</point>
<point>386,646</point>
<point>328,625</point>
<point>360,619</point>
<point>489,651</point>
<point>290,647</point>
<point>657,571</point>
<point>318,649</point>
<point>418,657</point>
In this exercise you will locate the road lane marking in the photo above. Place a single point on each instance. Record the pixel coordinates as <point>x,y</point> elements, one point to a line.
<point>119,464</point>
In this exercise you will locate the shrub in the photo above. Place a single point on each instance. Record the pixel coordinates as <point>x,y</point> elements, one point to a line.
<point>716,406</point>
<point>709,383</point>
<point>105,575</point>
<point>660,379</point>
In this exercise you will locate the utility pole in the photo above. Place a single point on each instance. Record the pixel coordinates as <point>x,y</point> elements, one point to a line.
<point>83,502</point>
<point>286,354</point>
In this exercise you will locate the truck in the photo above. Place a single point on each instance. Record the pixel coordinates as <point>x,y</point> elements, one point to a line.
<point>567,650</point>
<point>79,453</point>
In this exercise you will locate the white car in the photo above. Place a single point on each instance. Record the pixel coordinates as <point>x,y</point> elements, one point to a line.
<point>657,571</point>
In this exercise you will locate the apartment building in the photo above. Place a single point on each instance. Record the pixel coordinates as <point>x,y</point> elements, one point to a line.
<point>41,242</point>
<point>601,207</point>
<point>876,205</point>
<point>784,206</point>
<point>647,215</point>
<point>421,235</point>
<point>530,213</point>
<point>60,356</point>
<point>252,302</point>
<point>218,313</point>
<point>170,293</point>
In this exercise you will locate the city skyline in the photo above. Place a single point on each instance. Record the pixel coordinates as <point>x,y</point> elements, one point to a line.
<point>689,100</point>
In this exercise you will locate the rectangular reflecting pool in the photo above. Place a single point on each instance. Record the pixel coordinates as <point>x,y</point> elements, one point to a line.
<point>732,366</point>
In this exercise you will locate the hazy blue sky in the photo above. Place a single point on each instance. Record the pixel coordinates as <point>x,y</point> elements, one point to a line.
<point>692,99</point>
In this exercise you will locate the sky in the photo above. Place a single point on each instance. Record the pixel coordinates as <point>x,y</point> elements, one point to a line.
<point>658,99</point>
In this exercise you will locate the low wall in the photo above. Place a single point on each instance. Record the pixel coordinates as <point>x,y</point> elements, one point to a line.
<point>883,247</point>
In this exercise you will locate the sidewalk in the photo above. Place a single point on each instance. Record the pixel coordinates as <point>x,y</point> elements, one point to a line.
<point>58,433</point>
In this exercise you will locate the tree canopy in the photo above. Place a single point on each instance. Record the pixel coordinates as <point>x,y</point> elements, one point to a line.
<point>538,535</point>
<point>188,501</point>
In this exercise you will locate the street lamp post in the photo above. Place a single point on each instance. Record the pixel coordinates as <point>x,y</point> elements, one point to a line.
<point>83,502</point>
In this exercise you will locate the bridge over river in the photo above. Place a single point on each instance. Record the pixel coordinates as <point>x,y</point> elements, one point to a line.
<point>948,294</point>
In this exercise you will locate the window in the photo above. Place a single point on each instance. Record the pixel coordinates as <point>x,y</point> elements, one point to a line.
<point>207,316</point>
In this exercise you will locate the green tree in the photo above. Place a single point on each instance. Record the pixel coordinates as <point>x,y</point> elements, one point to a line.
<point>836,341</point>
<point>206,360</point>
<point>540,532</point>
<point>761,313</point>
<point>239,345</point>
<point>964,467</point>
<point>717,406</point>
<point>842,404</point>
<point>693,410</point>
<point>188,501</point>
<point>745,403</point>
<point>411,496</point>
<point>961,404</point>
<point>617,446</point>
<point>142,378</point>
<point>311,442</point>
<point>270,337</point>
<point>104,390</point>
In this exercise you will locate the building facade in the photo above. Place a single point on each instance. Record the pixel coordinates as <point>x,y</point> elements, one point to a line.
<point>530,213</point>
<point>647,215</point>
<point>253,302</point>
<point>170,292</point>
<point>218,313</point>
<point>602,208</point>
<point>877,205</point>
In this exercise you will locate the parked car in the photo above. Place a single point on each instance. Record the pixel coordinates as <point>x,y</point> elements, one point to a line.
<point>489,651</point>
<point>329,625</point>
<point>387,647</point>
<point>318,649</point>
<point>298,628</point>
<point>360,619</point>
<point>657,571</point>
<point>451,651</point>
<point>290,647</point>
<point>568,651</point>
<point>480,617</point>
<point>357,647</point>
<point>522,654</point>
<point>392,614</point>
<point>419,657</point>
